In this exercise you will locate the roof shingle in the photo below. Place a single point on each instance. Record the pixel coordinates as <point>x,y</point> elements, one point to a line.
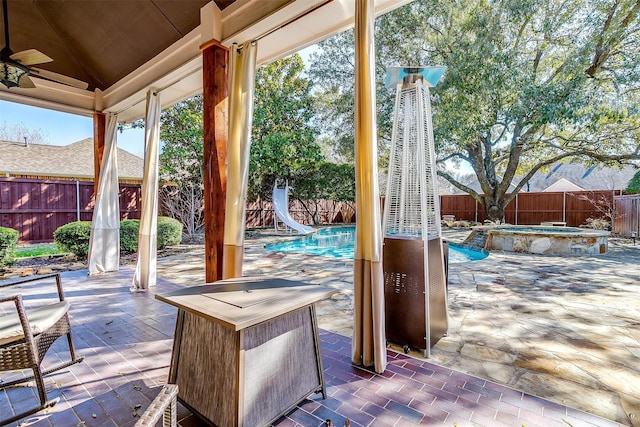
<point>73,161</point>
<point>561,176</point>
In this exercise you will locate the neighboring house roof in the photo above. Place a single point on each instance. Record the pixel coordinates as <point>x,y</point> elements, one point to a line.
<point>562,185</point>
<point>67,161</point>
<point>586,177</point>
<point>572,177</point>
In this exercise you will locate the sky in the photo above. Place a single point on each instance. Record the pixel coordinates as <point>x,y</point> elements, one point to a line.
<point>63,128</point>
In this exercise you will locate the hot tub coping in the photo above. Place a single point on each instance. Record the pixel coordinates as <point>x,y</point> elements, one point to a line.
<point>540,229</point>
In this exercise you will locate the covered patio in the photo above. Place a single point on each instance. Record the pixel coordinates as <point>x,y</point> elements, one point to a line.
<point>122,61</point>
<point>180,49</point>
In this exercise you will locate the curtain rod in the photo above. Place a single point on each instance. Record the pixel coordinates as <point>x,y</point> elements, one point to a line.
<point>291,21</point>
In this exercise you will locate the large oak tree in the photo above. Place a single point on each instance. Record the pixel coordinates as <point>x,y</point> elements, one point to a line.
<point>528,83</point>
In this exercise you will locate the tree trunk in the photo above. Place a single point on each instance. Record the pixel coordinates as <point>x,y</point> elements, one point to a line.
<point>494,208</point>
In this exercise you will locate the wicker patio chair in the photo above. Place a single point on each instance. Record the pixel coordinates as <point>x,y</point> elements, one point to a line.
<point>164,405</point>
<point>27,335</point>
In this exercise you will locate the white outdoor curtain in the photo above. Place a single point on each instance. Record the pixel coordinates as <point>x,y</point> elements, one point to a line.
<point>242,71</point>
<point>104,243</point>
<point>145,275</point>
<point>368,343</point>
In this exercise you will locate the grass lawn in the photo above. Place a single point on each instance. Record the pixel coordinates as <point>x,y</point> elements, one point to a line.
<point>37,249</point>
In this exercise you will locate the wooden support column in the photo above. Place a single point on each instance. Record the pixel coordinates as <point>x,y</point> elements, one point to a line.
<point>215,59</point>
<point>99,129</point>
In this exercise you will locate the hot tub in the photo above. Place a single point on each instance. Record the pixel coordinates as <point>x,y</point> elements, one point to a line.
<point>545,240</point>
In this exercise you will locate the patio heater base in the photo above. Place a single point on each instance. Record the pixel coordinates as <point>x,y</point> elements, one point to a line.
<point>415,310</point>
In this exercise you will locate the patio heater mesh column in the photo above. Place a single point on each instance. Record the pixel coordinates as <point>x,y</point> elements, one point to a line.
<point>413,255</point>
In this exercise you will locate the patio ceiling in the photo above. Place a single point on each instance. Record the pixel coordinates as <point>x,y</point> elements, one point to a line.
<point>123,48</point>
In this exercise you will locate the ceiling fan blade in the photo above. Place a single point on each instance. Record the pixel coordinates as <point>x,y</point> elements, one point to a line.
<point>60,78</point>
<point>25,82</point>
<point>30,57</point>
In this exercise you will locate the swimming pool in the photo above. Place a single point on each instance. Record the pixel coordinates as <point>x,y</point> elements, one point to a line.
<point>338,242</point>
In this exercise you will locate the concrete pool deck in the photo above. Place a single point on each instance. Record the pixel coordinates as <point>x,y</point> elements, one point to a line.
<point>563,328</point>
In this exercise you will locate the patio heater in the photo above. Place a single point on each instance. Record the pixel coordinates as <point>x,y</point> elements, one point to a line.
<point>413,255</point>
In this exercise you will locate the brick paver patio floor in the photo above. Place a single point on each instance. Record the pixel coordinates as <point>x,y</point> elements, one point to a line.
<point>126,339</point>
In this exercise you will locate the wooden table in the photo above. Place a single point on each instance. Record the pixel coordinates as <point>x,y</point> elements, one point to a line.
<point>246,350</point>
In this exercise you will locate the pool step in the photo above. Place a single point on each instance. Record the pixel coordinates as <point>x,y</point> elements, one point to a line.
<point>477,239</point>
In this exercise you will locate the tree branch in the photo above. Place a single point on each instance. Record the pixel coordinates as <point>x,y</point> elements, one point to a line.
<point>461,186</point>
<point>530,174</point>
<point>605,47</point>
<point>453,156</point>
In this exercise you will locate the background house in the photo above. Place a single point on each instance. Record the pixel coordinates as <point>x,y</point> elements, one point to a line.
<point>565,177</point>
<point>562,175</point>
<point>73,161</point>
<point>43,187</point>
<point>565,192</point>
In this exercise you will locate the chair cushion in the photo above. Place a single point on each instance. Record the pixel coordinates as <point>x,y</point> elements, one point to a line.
<point>40,319</point>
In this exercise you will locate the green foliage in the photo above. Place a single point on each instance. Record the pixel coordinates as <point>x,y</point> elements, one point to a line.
<point>169,232</point>
<point>527,84</point>
<point>333,74</point>
<point>181,162</point>
<point>74,238</point>
<point>8,242</point>
<point>181,154</point>
<point>129,235</point>
<point>323,180</point>
<point>37,249</point>
<point>283,140</point>
<point>634,185</point>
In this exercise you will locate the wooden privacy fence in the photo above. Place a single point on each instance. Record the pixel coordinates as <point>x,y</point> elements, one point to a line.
<point>36,207</point>
<point>534,208</point>
<point>260,213</point>
<point>627,215</point>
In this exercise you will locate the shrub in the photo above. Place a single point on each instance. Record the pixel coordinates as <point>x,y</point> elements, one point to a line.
<point>129,235</point>
<point>598,224</point>
<point>74,237</point>
<point>8,243</point>
<point>634,185</point>
<point>169,231</point>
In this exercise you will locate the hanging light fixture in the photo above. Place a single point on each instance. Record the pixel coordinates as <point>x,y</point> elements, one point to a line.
<point>11,71</point>
<point>14,70</point>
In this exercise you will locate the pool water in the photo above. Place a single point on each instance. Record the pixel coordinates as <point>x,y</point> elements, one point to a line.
<point>338,242</point>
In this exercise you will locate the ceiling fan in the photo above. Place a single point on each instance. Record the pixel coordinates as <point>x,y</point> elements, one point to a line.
<point>15,68</point>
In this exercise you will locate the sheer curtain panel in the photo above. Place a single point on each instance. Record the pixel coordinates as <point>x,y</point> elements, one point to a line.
<point>104,242</point>
<point>145,275</point>
<point>368,343</point>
